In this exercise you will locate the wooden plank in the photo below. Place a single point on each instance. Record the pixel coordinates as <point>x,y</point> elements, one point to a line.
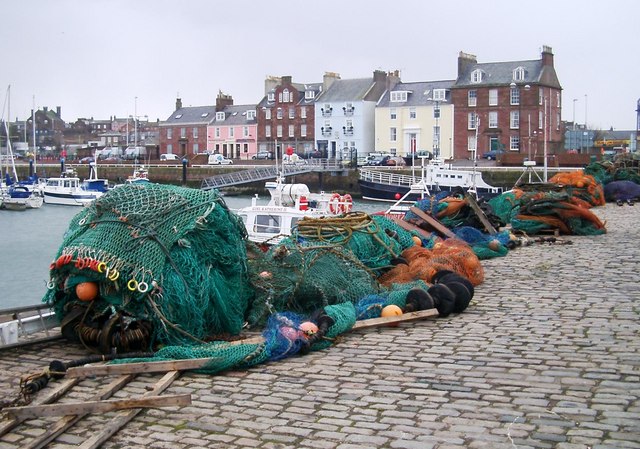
<point>52,396</point>
<point>480,214</point>
<point>66,422</point>
<point>435,224</point>
<point>137,368</point>
<point>124,417</point>
<point>411,227</point>
<point>405,317</point>
<point>77,408</point>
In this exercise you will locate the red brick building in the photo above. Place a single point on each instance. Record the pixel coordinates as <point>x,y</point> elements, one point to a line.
<point>515,106</point>
<point>286,116</point>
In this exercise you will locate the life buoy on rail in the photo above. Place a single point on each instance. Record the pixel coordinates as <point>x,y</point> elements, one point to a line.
<point>347,203</point>
<point>334,204</point>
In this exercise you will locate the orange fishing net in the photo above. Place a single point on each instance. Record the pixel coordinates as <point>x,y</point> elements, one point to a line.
<point>586,192</point>
<point>422,263</point>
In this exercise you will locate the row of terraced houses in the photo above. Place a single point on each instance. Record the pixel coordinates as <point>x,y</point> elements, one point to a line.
<point>515,106</point>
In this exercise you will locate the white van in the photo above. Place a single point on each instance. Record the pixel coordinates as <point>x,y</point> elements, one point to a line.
<point>169,157</point>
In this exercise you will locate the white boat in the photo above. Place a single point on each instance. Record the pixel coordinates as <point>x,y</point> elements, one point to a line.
<point>22,197</point>
<point>289,203</point>
<point>436,176</point>
<point>140,176</point>
<point>70,190</point>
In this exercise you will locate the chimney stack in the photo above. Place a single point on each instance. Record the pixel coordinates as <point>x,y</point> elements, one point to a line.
<point>464,61</point>
<point>178,103</point>
<point>547,56</point>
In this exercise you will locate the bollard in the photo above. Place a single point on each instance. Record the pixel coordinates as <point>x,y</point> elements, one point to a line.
<point>184,171</point>
<point>62,165</point>
<point>30,167</point>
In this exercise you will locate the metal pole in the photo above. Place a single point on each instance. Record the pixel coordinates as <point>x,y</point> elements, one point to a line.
<point>545,139</point>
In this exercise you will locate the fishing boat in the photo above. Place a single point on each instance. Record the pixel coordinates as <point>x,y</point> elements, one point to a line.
<point>289,203</point>
<point>436,176</point>
<point>140,175</point>
<point>70,190</point>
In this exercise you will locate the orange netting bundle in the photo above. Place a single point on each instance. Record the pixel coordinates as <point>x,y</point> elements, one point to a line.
<point>584,189</point>
<point>423,263</point>
<point>556,213</point>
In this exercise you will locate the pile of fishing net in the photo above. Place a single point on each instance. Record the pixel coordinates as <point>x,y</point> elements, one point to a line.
<point>620,177</point>
<point>148,264</point>
<point>551,209</point>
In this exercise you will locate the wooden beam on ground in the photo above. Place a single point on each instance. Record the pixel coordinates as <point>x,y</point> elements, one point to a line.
<point>78,408</point>
<point>480,214</point>
<point>124,417</point>
<point>191,364</point>
<point>433,223</point>
<point>52,396</point>
<point>66,422</point>
<point>137,368</point>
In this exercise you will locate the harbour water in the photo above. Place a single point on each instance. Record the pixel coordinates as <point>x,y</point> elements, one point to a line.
<point>29,241</point>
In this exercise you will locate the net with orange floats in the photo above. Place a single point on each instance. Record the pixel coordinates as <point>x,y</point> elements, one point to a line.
<point>584,189</point>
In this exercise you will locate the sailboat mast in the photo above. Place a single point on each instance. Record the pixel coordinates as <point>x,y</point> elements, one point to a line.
<point>33,131</point>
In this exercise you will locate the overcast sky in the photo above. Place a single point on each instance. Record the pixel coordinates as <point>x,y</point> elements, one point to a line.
<point>94,57</point>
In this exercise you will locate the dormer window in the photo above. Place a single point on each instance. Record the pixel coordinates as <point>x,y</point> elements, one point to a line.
<point>399,96</point>
<point>271,97</point>
<point>220,116</point>
<point>476,76</point>
<point>309,95</point>
<point>251,115</point>
<point>519,74</point>
<point>439,94</point>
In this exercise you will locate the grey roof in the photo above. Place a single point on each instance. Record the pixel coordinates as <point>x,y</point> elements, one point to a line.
<point>346,90</point>
<point>192,115</point>
<point>501,73</point>
<point>420,93</point>
<point>235,115</point>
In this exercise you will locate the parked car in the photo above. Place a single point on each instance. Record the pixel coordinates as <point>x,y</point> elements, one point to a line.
<point>169,157</point>
<point>263,155</point>
<point>377,160</point>
<point>218,159</point>
<point>493,154</point>
<point>396,160</point>
<point>86,160</point>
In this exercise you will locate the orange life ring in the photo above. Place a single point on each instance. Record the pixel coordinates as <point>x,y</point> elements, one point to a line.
<point>334,204</point>
<point>347,204</point>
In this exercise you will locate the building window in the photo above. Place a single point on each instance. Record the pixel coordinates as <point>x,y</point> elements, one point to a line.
<point>472,98</point>
<point>412,112</point>
<point>476,76</point>
<point>267,114</point>
<point>540,95</point>
<point>279,131</point>
<point>286,96</point>
<point>439,95</point>
<point>519,74</point>
<point>493,97</point>
<point>292,131</point>
<point>326,110</point>
<point>471,143</point>
<point>398,96</point>
<point>303,112</point>
<point>251,115</point>
<point>279,113</point>
<point>515,96</point>
<point>271,97</point>
<point>220,116</point>
<point>393,114</point>
<point>514,122</point>
<point>493,119</point>
<point>514,142</point>
<point>245,131</point>
<point>195,148</point>
<point>169,148</point>
<point>472,120</point>
<point>231,131</point>
<point>267,131</point>
<point>169,133</point>
<point>303,130</point>
<point>195,133</point>
<point>348,109</point>
<point>309,95</point>
<point>292,112</point>
<point>183,133</point>
<point>540,120</point>
<point>393,134</point>
<point>245,148</point>
<point>217,132</point>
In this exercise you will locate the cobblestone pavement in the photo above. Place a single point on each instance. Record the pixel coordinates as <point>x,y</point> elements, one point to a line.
<point>546,356</point>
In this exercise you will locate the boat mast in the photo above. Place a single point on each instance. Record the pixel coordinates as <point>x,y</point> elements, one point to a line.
<point>33,130</point>
<point>473,189</point>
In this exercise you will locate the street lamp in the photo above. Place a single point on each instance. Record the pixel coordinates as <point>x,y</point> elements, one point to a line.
<point>573,133</point>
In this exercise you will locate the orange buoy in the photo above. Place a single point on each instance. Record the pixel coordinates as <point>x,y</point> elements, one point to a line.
<point>308,328</point>
<point>391,310</point>
<point>87,291</point>
<point>416,240</point>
